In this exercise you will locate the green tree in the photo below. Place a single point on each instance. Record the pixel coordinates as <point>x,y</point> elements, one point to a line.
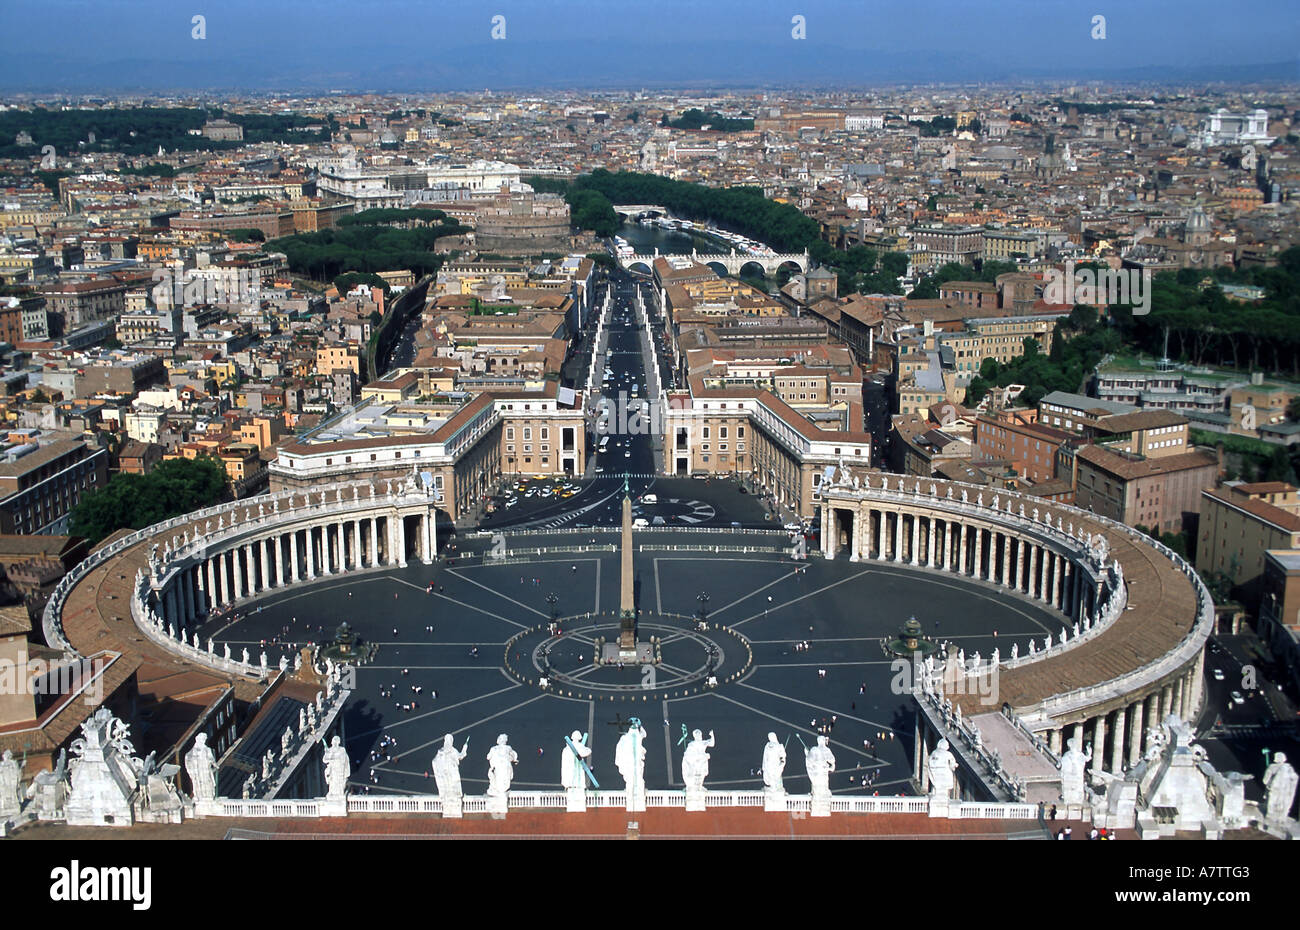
<point>174,487</point>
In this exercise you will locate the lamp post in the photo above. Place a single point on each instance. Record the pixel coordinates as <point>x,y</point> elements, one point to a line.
<point>703,598</point>
<point>552,600</point>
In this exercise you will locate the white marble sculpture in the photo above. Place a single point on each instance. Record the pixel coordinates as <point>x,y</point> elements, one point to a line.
<point>11,798</point>
<point>501,767</point>
<point>1280,785</point>
<point>446,768</point>
<point>338,768</point>
<point>1073,762</point>
<point>773,772</point>
<point>695,768</point>
<point>819,763</point>
<point>201,766</point>
<point>49,790</point>
<point>573,773</point>
<point>942,770</point>
<point>629,759</point>
<point>105,776</point>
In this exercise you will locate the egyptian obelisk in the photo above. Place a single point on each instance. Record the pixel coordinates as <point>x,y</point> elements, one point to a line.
<point>626,604</point>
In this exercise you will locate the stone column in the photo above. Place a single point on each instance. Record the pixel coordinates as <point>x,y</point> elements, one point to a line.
<point>341,562</point>
<point>930,547</point>
<point>311,551</point>
<point>1099,741</point>
<point>1006,560</point>
<point>898,536</point>
<point>187,594</point>
<point>1135,732</point>
<point>1117,741</point>
<point>356,544</point>
<point>427,522</point>
<point>882,525</point>
<point>374,542</point>
<point>1016,571</point>
<point>961,547</point>
<point>1058,571</point>
<point>947,555</point>
<point>397,525</point>
<point>1054,741</point>
<point>1164,704</point>
<point>279,561</point>
<point>1176,697</point>
<point>293,555</point>
<point>916,537</point>
<point>212,590</point>
<point>225,579</point>
<point>978,572</point>
<point>238,585</point>
<point>263,547</point>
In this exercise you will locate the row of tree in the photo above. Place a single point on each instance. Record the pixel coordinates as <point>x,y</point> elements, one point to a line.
<point>174,487</point>
<point>141,130</point>
<point>326,254</point>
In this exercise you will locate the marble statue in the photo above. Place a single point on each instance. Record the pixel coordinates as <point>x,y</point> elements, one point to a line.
<point>210,645</point>
<point>50,790</point>
<point>576,751</point>
<point>820,762</point>
<point>1073,762</point>
<point>105,773</point>
<point>11,799</point>
<point>261,660</point>
<point>629,757</point>
<point>201,766</point>
<point>1279,785</point>
<point>446,767</point>
<point>963,495</point>
<point>1015,651</point>
<point>773,765</point>
<point>501,762</point>
<point>245,655</point>
<point>942,767</point>
<point>695,760</point>
<point>226,647</point>
<point>338,768</point>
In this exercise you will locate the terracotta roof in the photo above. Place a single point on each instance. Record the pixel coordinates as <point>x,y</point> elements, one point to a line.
<point>1126,468</point>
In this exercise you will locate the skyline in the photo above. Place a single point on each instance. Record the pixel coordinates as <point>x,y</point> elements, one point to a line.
<point>148,46</point>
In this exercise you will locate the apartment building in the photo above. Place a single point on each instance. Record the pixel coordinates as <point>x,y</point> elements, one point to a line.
<point>1239,524</point>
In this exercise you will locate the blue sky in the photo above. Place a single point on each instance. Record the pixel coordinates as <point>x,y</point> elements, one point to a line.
<point>606,43</point>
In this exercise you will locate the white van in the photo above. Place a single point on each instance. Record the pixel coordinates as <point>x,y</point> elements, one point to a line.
<point>649,499</point>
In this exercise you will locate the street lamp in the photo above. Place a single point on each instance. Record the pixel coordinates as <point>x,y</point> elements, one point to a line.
<point>703,598</point>
<point>553,601</point>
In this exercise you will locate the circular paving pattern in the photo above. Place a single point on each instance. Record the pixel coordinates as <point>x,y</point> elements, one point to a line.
<point>578,658</point>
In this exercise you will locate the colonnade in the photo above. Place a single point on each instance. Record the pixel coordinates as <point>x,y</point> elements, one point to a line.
<point>237,567</point>
<point>1034,565</point>
<point>1119,736</point>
